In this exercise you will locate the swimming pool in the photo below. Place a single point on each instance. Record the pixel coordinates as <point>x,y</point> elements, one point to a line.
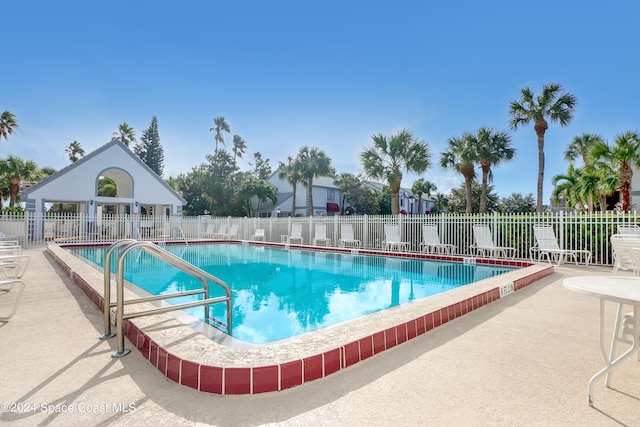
<point>279,293</point>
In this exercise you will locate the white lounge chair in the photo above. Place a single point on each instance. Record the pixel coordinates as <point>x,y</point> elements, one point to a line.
<point>431,241</point>
<point>626,252</point>
<point>628,229</point>
<point>347,238</point>
<point>208,232</point>
<point>320,236</point>
<point>10,247</point>
<point>392,239</point>
<point>9,237</point>
<point>7,290</point>
<point>296,234</point>
<point>14,266</point>
<point>485,246</point>
<point>547,247</point>
<point>233,232</point>
<point>259,235</point>
<point>221,233</point>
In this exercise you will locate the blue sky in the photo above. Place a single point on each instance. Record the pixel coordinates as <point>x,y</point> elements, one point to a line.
<point>326,74</point>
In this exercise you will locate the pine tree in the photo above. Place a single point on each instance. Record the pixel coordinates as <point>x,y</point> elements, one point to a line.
<point>149,148</point>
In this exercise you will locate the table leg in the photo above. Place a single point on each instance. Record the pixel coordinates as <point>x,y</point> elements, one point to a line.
<point>612,363</point>
<point>614,341</point>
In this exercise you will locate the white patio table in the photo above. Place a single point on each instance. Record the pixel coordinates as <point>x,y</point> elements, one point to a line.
<point>622,290</point>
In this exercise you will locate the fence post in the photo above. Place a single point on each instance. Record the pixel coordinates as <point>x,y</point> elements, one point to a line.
<point>26,227</point>
<point>365,234</point>
<point>561,226</point>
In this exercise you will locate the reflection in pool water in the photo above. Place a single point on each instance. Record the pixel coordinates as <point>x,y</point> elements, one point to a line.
<point>280,293</point>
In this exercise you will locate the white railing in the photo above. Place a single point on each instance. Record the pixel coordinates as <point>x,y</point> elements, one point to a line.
<point>574,231</point>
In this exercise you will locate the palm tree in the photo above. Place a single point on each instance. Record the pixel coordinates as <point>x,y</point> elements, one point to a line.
<point>221,125</point>
<point>493,147</point>
<point>581,147</point>
<point>8,125</point>
<point>387,157</point>
<point>624,155</point>
<point>603,179</point>
<point>568,187</point>
<point>313,162</point>
<point>75,151</point>
<point>552,104</point>
<point>107,187</point>
<point>239,147</point>
<point>461,155</point>
<point>125,134</point>
<point>441,202</point>
<point>18,169</point>
<point>292,173</point>
<point>46,172</point>
<point>420,187</point>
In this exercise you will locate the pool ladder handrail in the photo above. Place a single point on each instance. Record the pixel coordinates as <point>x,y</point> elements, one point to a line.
<point>170,259</point>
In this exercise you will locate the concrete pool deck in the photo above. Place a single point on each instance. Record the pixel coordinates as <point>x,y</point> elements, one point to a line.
<point>524,359</point>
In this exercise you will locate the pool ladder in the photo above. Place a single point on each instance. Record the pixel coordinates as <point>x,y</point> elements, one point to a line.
<point>169,258</point>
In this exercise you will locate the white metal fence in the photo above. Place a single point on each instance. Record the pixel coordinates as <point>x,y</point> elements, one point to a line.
<point>574,231</point>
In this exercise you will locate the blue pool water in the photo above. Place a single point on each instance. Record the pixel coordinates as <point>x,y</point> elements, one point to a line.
<point>279,293</point>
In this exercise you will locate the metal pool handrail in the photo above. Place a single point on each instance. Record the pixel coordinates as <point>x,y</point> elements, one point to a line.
<point>172,260</point>
<point>107,304</point>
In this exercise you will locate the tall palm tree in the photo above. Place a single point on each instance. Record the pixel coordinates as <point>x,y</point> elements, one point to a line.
<point>461,156</point>
<point>8,125</point>
<point>313,162</point>
<point>623,155</point>
<point>18,169</point>
<point>552,104</point>
<point>581,147</point>
<point>420,187</point>
<point>387,157</point>
<point>125,133</point>
<point>221,125</point>
<point>239,147</point>
<point>75,151</point>
<point>493,147</point>
<point>292,173</point>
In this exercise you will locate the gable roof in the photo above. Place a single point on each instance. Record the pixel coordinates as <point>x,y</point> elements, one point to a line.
<point>125,150</point>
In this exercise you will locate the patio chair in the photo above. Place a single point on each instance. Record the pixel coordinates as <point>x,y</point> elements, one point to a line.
<point>212,234</point>
<point>233,232</point>
<point>431,241</point>
<point>9,237</point>
<point>259,235</point>
<point>628,229</point>
<point>321,236</point>
<point>392,239</point>
<point>626,252</point>
<point>485,246</point>
<point>547,247</point>
<point>209,232</point>
<point>14,266</point>
<point>10,247</point>
<point>347,238</point>
<point>295,236</point>
<point>7,288</point>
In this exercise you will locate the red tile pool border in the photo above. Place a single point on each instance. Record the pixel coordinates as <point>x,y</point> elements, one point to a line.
<point>262,379</point>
